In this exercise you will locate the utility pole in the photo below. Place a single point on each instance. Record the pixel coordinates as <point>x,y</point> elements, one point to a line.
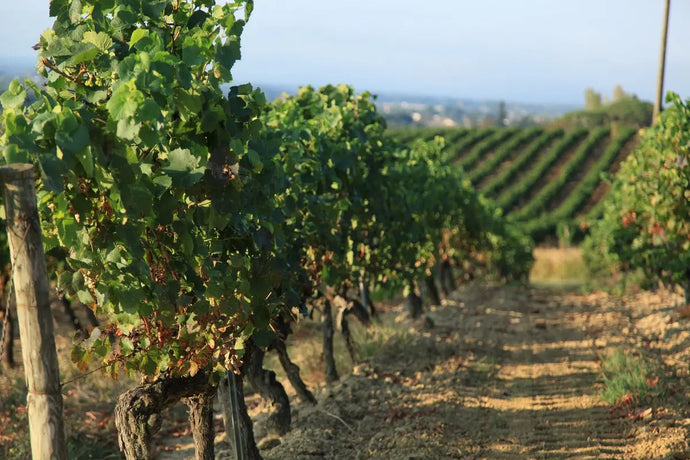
<point>662,64</point>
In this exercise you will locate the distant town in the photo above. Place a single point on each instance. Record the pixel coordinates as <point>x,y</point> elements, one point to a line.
<point>404,110</point>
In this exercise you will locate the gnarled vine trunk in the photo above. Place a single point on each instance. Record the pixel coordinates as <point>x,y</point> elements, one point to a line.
<point>447,278</point>
<point>269,388</point>
<point>356,307</point>
<point>292,371</point>
<point>241,435</point>
<point>344,327</point>
<point>366,299</point>
<point>413,304</point>
<point>329,359</point>
<point>69,311</point>
<point>137,412</point>
<point>201,422</point>
<point>432,291</point>
<point>281,326</point>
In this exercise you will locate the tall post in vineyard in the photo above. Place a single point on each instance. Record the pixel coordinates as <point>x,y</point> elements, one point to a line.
<point>662,66</point>
<point>44,400</point>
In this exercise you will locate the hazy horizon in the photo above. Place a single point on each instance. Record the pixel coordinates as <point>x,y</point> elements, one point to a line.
<point>531,52</point>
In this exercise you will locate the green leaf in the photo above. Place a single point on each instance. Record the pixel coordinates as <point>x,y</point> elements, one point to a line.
<point>149,111</point>
<point>57,6</point>
<point>74,141</point>
<point>188,104</point>
<point>255,160</point>
<point>201,307</point>
<point>67,231</point>
<point>124,101</point>
<point>13,154</point>
<point>263,337</point>
<point>86,160</point>
<point>183,168</point>
<point>53,170</point>
<point>137,199</point>
<point>137,35</point>
<point>114,256</point>
<point>192,52</point>
<point>197,18</point>
<point>186,241</point>
<point>229,53</point>
<point>83,52</point>
<point>14,97</point>
<point>149,366</point>
<point>131,299</point>
<point>96,97</point>
<point>128,129</point>
<point>75,10</point>
<point>164,181</point>
<point>100,40</point>
<point>85,297</point>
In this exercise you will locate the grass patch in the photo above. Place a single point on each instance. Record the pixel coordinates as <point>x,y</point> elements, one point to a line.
<point>627,379</point>
<point>559,266</point>
<point>387,336</point>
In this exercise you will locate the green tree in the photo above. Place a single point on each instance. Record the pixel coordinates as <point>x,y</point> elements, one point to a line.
<point>501,118</point>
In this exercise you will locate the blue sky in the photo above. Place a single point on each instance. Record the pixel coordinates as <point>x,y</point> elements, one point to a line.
<point>541,51</point>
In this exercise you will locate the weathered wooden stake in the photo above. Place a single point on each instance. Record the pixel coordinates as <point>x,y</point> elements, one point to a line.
<point>44,401</point>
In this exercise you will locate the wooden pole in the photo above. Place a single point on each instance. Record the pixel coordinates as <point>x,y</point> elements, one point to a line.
<point>44,400</point>
<point>658,103</point>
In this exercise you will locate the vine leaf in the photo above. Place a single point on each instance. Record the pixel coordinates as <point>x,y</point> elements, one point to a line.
<point>100,40</point>
<point>14,97</point>
<point>183,168</point>
<point>124,101</point>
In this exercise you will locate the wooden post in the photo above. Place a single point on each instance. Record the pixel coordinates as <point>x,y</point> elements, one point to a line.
<point>44,401</point>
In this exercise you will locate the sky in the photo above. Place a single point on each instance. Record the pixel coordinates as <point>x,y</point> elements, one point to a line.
<point>530,51</point>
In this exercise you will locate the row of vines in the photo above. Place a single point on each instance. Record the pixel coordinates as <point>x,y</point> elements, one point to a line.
<point>644,232</point>
<point>199,221</point>
<point>637,231</point>
<point>543,178</point>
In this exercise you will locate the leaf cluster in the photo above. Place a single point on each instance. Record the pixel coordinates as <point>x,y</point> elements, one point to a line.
<point>646,222</point>
<point>192,219</point>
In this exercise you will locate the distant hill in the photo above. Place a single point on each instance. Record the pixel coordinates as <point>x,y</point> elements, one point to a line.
<point>11,70</point>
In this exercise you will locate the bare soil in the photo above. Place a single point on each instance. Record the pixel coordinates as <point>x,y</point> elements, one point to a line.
<point>500,373</point>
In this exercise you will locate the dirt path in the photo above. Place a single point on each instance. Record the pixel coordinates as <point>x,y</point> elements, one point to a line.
<point>499,373</point>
